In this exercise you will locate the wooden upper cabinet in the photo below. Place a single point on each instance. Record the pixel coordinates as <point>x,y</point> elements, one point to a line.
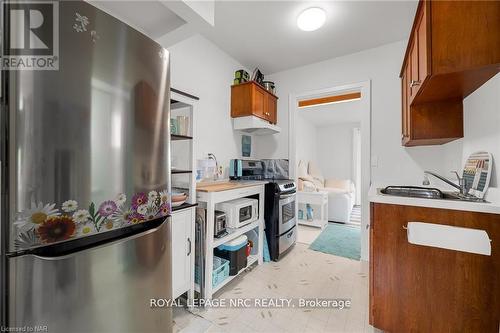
<point>250,99</point>
<point>454,48</point>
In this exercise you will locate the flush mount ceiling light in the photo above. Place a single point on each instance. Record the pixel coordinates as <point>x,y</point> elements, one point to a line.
<point>311,19</point>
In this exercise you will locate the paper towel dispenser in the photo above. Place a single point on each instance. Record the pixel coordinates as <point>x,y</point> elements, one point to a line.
<point>449,237</point>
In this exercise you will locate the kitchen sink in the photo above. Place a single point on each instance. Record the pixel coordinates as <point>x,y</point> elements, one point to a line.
<point>427,193</point>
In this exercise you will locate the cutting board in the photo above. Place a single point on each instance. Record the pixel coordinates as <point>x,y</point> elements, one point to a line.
<point>218,187</point>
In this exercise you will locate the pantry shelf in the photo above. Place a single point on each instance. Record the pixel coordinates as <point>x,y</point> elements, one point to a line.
<point>235,233</point>
<point>250,261</point>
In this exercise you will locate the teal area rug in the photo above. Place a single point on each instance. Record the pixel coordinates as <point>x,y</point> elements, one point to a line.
<point>339,240</point>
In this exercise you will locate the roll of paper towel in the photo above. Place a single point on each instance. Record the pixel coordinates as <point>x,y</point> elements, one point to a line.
<point>449,237</point>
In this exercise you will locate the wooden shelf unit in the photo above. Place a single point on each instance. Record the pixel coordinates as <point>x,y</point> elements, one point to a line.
<point>208,200</point>
<point>183,216</point>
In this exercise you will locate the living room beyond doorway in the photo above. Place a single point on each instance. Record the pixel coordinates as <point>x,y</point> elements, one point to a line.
<point>328,157</point>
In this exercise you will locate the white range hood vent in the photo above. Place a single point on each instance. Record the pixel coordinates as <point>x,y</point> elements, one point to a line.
<point>254,125</point>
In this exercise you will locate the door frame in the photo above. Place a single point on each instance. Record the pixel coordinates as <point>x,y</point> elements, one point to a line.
<point>365,88</point>
<point>356,162</point>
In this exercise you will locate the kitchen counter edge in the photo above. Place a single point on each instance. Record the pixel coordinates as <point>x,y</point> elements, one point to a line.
<point>375,196</point>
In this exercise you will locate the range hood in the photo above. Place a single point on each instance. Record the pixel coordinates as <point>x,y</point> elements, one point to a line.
<point>254,125</point>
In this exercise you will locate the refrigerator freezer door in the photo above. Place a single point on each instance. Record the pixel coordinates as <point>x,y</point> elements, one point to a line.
<point>88,142</point>
<point>103,289</point>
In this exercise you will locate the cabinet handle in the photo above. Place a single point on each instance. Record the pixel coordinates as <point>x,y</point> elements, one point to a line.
<point>189,246</point>
<point>414,83</point>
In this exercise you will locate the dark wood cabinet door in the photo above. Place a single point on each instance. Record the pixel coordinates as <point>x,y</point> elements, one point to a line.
<point>259,101</point>
<point>424,50</point>
<point>404,107</point>
<point>413,86</point>
<point>271,111</point>
<point>416,288</point>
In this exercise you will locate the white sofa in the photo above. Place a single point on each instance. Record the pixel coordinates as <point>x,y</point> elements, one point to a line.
<point>341,192</point>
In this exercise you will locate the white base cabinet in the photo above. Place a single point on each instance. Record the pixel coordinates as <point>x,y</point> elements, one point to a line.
<point>183,253</point>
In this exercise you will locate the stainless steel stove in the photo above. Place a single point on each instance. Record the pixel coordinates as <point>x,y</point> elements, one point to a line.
<point>280,216</point>
<point>280,203</point>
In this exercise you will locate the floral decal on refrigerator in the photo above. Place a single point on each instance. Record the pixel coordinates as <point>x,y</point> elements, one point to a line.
<point>45,223</point>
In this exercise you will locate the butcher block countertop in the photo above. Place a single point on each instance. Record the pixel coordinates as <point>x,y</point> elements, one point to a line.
<point>227,185</point>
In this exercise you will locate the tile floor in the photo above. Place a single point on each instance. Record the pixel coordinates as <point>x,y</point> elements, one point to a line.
<point>307,234</point>
<point>302,273</point>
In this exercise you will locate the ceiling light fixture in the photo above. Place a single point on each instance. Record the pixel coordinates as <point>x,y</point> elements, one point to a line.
<point>311,19</point>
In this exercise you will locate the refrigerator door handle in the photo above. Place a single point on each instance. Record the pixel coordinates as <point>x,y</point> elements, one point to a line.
<point>121,240</point>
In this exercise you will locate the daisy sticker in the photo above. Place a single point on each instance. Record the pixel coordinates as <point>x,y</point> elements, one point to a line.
<point>69,206</point>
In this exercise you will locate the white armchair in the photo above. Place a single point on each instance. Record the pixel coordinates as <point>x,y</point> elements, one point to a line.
<point>341,199</point>
<point>341,192</point>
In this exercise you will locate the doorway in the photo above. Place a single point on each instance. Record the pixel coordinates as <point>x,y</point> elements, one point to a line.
<point>359,165</point>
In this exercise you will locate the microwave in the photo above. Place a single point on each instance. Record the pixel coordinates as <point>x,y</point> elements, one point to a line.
<point>239,212</point>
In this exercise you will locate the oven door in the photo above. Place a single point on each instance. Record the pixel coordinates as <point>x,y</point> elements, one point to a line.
<point>287,219</point>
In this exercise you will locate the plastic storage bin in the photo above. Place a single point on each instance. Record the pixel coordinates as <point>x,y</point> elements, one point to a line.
<point>254,238</point>
<point>219,273</point>
<point>235,252</point>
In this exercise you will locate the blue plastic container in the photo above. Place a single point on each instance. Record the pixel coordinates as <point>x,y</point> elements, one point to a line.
<point>220,271</point>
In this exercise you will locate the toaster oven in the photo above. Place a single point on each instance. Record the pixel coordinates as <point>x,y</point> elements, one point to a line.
<point>239,212</point>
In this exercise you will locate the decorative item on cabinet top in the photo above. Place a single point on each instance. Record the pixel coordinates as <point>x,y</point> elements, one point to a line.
<point>45,223</point>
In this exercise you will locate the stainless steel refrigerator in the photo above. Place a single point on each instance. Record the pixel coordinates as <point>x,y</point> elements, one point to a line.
<point>85,179</point>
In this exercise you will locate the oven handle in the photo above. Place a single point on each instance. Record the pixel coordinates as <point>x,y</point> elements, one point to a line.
<point>284,196</point>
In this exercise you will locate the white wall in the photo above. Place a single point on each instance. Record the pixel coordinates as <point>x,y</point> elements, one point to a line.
<point>335,150</point>
<point>482,124</point>
<point>200,68</point>
<point>481,133</point>
<point>381,65</point>
<point>307,140</point>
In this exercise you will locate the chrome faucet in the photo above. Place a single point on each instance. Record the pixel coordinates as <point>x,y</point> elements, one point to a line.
<point>462,183</point>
